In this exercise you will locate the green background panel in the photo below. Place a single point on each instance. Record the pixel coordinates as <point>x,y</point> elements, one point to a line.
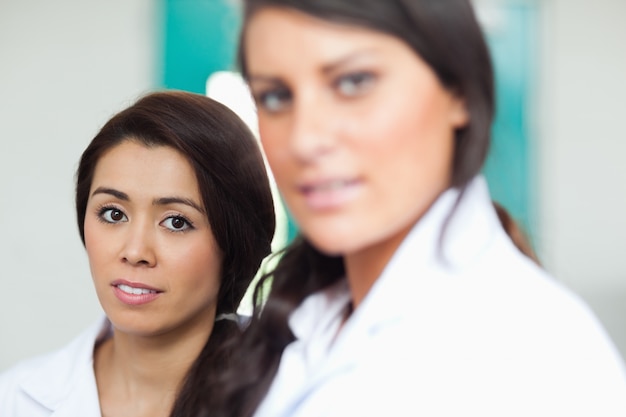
<point>510,169</point>
<point>199,38</point>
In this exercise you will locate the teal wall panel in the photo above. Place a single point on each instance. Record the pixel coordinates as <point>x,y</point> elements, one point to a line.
<point>199,39</point>
<point>510,167</point>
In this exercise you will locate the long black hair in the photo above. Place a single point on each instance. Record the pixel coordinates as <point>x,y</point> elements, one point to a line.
<point>235,192</point>
<point>447,36</point>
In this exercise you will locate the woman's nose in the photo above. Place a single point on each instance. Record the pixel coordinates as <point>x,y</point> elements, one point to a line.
<point>310,135</point>
<point>138,248</point>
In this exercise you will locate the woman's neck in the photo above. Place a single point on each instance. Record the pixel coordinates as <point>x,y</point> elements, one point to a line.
<point>364,267</point>
<point>142,375</point>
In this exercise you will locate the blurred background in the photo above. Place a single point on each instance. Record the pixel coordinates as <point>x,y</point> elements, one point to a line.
<point>67,66</point>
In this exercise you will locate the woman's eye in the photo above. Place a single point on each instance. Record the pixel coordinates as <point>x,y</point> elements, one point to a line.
<point>274,101</point>
<point>351,85</point>
<point>113,215</point>
<point>176,223</point>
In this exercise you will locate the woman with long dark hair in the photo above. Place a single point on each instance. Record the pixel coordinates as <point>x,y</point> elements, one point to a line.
<point>176,214</point>
<point>403,295</point>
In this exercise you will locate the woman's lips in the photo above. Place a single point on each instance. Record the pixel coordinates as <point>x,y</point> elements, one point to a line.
<point>135,291</point>
<point>132,293</point>
<point>329,195</point>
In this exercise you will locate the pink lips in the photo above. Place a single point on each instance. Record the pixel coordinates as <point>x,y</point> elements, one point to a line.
<point>133,293</point>
<point>330,194</point>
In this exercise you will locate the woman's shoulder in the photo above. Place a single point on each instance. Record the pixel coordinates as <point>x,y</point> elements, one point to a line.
<point>11,378</point>
<point>40,381</point>
<point>517,287</point>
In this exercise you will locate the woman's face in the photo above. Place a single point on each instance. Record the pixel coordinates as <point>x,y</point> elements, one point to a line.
<point>356,127</point>
<point>152,254</point>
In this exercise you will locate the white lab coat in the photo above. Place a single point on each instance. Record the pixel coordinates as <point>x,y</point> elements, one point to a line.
<point>475,330</point>
<point>59,384</point>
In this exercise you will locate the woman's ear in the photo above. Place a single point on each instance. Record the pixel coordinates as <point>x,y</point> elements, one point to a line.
<point>459,115</point>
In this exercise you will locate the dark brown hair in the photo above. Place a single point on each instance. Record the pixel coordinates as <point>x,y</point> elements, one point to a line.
<point>516,233</point>
<point>447,36</point>
<point>235,193</point>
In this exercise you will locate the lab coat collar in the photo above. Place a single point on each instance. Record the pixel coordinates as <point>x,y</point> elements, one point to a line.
<point>65,383</point>
<point>306,322</point>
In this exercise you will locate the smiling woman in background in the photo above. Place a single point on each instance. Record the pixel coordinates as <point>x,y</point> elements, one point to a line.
<point>175,210</point>
<point>404,295</point>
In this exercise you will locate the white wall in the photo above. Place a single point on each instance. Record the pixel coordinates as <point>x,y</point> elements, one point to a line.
<point>65,67</point>
<point>582,148</point>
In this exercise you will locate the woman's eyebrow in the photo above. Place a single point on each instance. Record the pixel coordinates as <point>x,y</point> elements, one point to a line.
<point>328,68</point>
<point>335,65</point>
<point>111,191</point>
<point>163,201</point>
<point>264,79</point>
